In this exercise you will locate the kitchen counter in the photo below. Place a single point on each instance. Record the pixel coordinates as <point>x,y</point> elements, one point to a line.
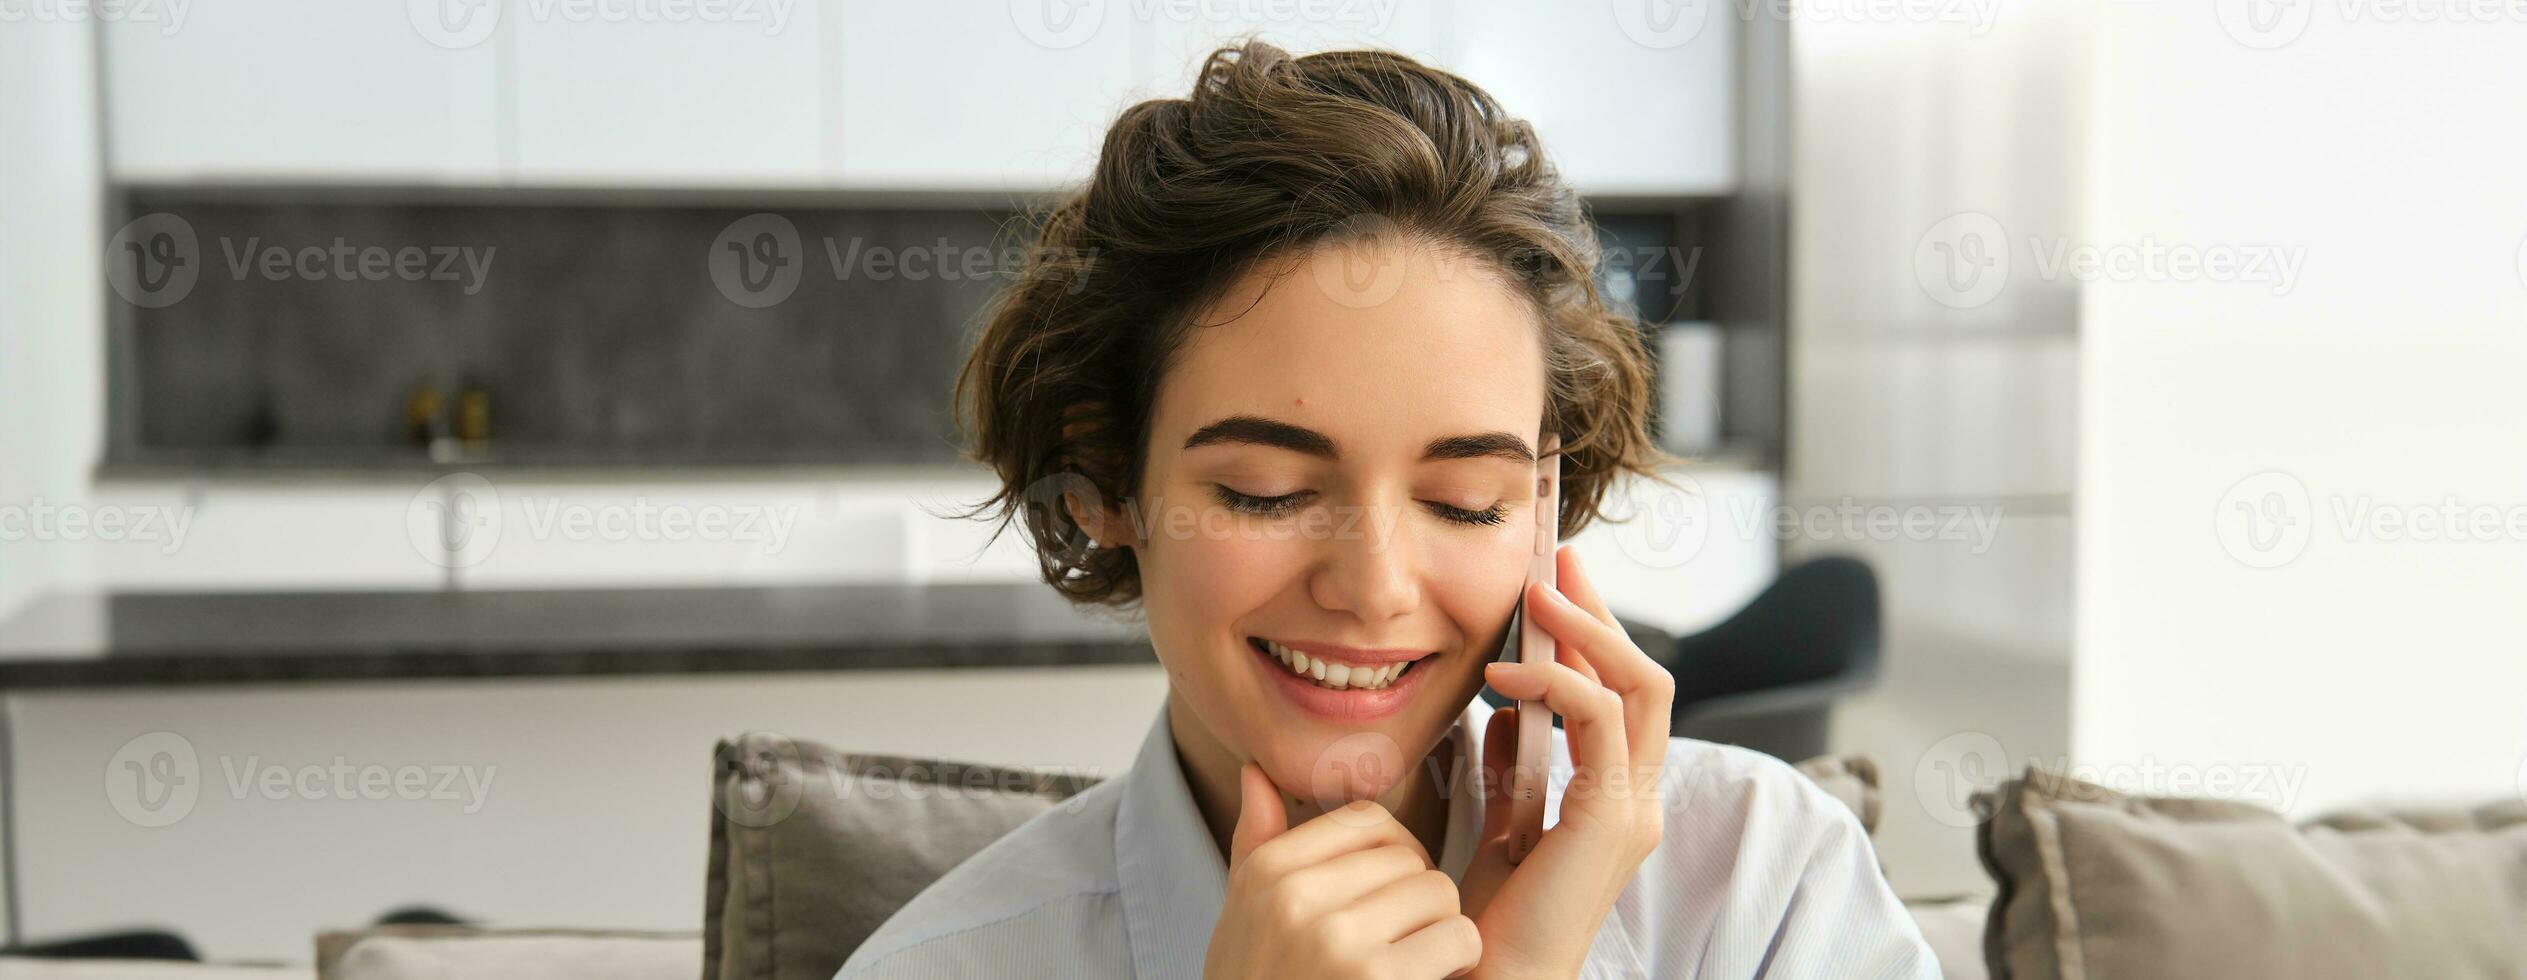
<point>163,639</point>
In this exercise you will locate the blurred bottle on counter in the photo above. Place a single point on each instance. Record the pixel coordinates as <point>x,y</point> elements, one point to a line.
<point>473,418</point>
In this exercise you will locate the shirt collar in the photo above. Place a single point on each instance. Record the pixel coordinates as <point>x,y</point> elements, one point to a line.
<point>1173,880</point>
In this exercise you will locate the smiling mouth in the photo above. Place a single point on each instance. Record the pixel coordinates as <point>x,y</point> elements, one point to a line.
<point>1332,674</point>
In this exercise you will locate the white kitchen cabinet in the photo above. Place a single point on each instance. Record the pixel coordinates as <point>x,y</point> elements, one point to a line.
<point>734,95</point>
<point>1629,98</point>
<point>315,90</point>
<point>981,96</point>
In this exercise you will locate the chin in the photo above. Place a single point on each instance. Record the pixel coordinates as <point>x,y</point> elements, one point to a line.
<point>1331,766</point>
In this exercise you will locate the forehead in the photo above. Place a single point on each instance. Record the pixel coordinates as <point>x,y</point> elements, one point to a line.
<point>1376,345</point>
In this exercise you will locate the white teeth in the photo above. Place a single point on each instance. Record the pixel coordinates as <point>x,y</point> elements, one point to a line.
<point>1334,675</point>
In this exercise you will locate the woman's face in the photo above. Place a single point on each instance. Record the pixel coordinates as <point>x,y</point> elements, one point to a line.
<point>1344,470</point>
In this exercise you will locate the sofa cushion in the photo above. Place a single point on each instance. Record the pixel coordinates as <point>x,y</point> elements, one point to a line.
<point>812,849</point>
<point>1852,779</point>
<point>435,952</point>
<point>2098,885</point>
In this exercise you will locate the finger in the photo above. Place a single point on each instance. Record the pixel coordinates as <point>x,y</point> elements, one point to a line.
<point>1647,689</point>
<point>1401,907</point>
<point>1568,653</point>
<point>1592,715</point>
<point>1260,816</point>
<point>1537,597</point>
<point>1500,754</point>
<point>1446,948</point>
<point>1346,879</point>
<point>1351,827</point>
<point>1572,579</point>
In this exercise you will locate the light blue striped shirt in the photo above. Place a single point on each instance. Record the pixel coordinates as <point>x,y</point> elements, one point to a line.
<point>1759,874</point>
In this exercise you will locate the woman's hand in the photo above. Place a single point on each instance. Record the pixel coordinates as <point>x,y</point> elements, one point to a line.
<point>1347,894</point>
<point>1539,917</point>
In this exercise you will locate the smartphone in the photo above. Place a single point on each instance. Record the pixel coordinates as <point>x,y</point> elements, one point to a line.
<point>1535,645</point>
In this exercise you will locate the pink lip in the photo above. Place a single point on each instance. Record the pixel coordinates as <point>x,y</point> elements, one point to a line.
<point>1350,707</point>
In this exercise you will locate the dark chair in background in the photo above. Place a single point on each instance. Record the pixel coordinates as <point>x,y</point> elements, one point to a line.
<point>1768,677</point>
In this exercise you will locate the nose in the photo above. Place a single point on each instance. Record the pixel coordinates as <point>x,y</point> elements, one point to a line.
<point>1371,571</point>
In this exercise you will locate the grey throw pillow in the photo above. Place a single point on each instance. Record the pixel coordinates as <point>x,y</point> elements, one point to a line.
<point>2098,885</point>
<point>812,849</point>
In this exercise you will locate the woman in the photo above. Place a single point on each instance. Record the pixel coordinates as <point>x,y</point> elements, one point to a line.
<point>1278,376</point>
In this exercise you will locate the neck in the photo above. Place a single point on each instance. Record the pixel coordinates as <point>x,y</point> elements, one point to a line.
<point>1210,770</point>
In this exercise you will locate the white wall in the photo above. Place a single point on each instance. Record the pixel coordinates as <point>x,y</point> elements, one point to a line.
<point>2388,376</point>
<point>51,288</point>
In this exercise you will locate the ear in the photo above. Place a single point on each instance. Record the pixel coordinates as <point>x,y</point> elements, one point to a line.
<point>1105,526</point>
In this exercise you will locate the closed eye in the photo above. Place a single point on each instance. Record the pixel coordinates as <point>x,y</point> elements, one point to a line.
<point>1283,505</point>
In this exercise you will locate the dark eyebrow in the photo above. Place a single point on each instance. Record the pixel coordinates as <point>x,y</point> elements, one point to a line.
<point>1261,431</point>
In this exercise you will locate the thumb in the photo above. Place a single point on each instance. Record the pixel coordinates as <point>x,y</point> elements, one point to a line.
<point>1260,815</point>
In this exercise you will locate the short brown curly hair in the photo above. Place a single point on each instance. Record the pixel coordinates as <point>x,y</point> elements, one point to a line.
<point>1271,155</point>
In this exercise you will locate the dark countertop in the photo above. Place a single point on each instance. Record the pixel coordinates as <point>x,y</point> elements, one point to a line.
<point>175,639</point>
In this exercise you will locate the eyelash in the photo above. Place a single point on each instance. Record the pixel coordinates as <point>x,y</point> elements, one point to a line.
<point>1284,504</point>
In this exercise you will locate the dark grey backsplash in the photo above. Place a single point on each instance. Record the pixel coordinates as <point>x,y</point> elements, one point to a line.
<point>597,330</point>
